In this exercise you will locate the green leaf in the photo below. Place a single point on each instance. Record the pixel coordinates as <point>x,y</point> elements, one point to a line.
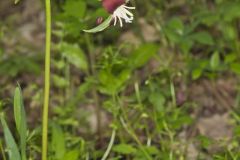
<point>158,100</point>
<point>12,147</point>
<point>174,29</point>
<point>215,61</point>
<point>58,142</point>
<point>15,64</point>
<point>71,155</point>
<point>100,27</point>
<point>74,55</point>
<point>196,73</point>
<point>59,81</point>
<point>75,8</point>
<point>230,58</point>
<point>230,11</point>
<point>72,27</point>
<point>235,67</point>
<point>229,32</point>
<point>205,141</point>
<point>176,24</point>
<point>112,83</point>
<point>185,44</point>
<point>124,149</point>
<point>152,150</point>
<point>203,38</point>
<point>20,120</point>
<point>209,18</point>
<point>142,55</point>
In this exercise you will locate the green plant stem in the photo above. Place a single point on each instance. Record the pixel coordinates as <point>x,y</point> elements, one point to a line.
<point>129,129</point>
<point>47,80</point>
<point>92,72</point>
<point>110,145</point>
<point>139,99</point>
<point>173,94</point>
<point>171,137</point>
<point>134,136</point>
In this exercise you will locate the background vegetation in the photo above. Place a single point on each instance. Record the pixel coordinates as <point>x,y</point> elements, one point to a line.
<point>164,88</point>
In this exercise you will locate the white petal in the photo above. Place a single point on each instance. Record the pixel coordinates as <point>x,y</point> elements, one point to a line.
<point>123,13</point>
<point>120,20</point>
<point>115,20</point>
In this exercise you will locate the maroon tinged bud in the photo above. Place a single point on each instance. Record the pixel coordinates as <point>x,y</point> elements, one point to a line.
<point>112,5</point>
<point>99,20</point>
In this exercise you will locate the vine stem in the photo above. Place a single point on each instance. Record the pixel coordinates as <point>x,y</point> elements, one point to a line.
<point>47,80</point>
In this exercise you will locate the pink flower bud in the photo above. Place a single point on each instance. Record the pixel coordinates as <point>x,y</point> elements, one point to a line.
<point>99,20</point>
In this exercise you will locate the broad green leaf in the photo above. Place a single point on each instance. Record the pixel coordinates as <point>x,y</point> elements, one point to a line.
<point>230,10</point>
<point>158,100</point>
<point>229,58</point>
<point>174,29</point>
<point>229,32</point>
<point>203,38</point>
<point>73,27</point>
<point>215,61</point>
<point>71,155</point>
<point>207,17</point>
<point>100,27</point>
<point>12,147</point>
<point>181,120</point>
<point>20,120</point>
<point>112,83</point>
<point>124,149</point>
<point>173,36</point>
<point>196,73</point>
<point>58,142</point>
<point>59,81</point>
<point>142,55</point>
<point>235,67</point>
<point>74,55</point>
<point>185,45</point>
<point>75,8</point>
<point>152,150</point>
<point>15,64</point>
<point>176,24</point>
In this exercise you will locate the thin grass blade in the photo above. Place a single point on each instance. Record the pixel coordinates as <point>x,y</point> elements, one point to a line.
<point>20,120</point>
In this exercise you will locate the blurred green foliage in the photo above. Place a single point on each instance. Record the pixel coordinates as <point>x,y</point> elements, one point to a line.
<point>132,83</point>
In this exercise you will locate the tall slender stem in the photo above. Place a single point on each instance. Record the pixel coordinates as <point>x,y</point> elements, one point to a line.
<point>47,80</point>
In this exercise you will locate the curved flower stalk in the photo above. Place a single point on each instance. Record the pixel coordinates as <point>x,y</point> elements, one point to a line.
<point>119,12</point>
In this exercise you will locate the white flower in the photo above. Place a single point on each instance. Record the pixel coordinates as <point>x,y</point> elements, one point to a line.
<point>123,13</point>
<point>118,10</point>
